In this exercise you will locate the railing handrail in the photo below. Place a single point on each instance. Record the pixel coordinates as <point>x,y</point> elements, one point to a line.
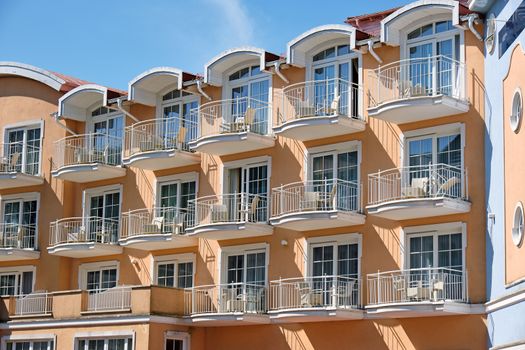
<point>220,285</point>
<point>230,100</point>
<point>153,209</point>
<point>409,167</point>
<point>159,120</point>
<point>83,218</point>
<point>86,135</point>
<point>406,271</point>
<point>219,196</point>
<point>314,182</point>
<point>296,85</point>
<point>408,60</point>
<point>22,143</point>
<point>307,278</point>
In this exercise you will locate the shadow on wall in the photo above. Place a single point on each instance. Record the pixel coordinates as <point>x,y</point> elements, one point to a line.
<point>208,261</point>
<point>144,187</point>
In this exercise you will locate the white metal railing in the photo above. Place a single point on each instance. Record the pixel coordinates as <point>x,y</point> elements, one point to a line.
<point>225,298</point>
<point>421,181</point>
<point>316,195</point>
<point>228,208</point>
<point>321,98</point>
<point>158,220</point>
<point>20,157</point>
<point>83,230</point>
<point>416,77</point>
<point>116,298</point>
<point>87,149</point>
<point>314,292</point>
<point>159,134</point>
<point>243,114</point>
<point>36,303</point>
<point>15,235</point>
<point>416,285</point>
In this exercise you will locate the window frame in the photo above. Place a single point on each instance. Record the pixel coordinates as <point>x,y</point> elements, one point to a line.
<point>23,197</point>
<point>32,338</point>
<point>225,252</point>
<point>175,335</point>
<point>18,271</point>
<point>518,239</point>
<point>515,126</point>
<point>112,114</point>
<point>181,101</point>
<point>84,269</point>
<point>26,125</point>
<point>334,150</point>
<point>175,259</point>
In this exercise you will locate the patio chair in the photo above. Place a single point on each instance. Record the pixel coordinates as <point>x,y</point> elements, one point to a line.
<point>417,189</point>
<point>155,226</point>
<point>309,201</point>
<point>309,297</point>
<point>10,163</point>
<point>334,106</point>
<point>445,187</point>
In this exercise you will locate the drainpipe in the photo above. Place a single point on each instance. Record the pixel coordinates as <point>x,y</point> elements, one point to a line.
<point>472,19</point>
<point>199,89</point>
<point>372,52</point>
<point>55,116</point>
<point>121,109</point>
<point>280,74</point>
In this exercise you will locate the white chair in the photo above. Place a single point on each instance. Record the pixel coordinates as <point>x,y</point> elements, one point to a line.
<point>309,201</point>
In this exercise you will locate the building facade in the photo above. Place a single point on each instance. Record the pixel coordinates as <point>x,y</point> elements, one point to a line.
<point>332,197</point>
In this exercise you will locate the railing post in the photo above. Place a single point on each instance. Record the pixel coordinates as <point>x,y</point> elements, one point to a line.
<point>433,62</point>
<point>378,288</point>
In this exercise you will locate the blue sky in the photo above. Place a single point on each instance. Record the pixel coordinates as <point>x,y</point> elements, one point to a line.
<point>111,41</point>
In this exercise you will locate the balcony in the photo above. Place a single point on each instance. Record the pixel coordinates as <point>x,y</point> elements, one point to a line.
<point>18,242</point>
<point>87,158</point>
<point>418,89</point>
<point>315,205</point>
<point>160,144</point>
<point>320,109</point>
<point>36,304</point>
<point>156,228</point>
<point>226,304</point>
<point>417,192</point>
<point>116,299</point>
<point>233,126</point>
<point>84,237</point>
<point>312,299</point>
<point>20,165</point>
<point>230,216</point>
<point>418,293</point>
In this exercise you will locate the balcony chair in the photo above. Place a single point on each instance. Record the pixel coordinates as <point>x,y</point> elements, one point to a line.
<point>218,213</point>
<point>417,189</point>
<point>400,288</point>
<point>180,139</point>
<point>344,294</point>
<point>84,156</point>
<point>251,212</point>
<point>151,143</point>
<point>9,165</point>
<point>234,302</point>
<point>155,227</point>
<point>77,236</point>
<point>309,201</point>
<point>309,297</point>
<point>328,202</point>
<point>304,109</point>
<point>334,106</point>
<point>445,188</point>
<point>417,291</point>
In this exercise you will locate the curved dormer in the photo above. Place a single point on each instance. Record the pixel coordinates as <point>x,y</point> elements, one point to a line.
<point>328,102</point>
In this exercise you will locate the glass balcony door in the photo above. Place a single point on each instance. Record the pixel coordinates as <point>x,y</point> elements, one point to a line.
<point>100,280</point>
<point>107,141</point>
<point>104,215</point>
<point>22,152</point>
<point>19,218</point>
<point>253,95</point>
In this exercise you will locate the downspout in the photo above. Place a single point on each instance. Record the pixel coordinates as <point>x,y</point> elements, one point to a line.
<point>372,52</point>
<point>280,74</point>
<point>121,109</point>
<point>55,116</point>
<point>199,89</point>
<point>472,19</point>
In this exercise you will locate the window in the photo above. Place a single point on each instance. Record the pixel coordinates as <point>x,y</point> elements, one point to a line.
<point>30,345</point>
<point>22,150</point>
<point>107,128</point>
<point>19,223</point>
<point>177,341</point>
<point>124,343</point>
<point>98,276</point>
<point>179,122</point>
<point>103,214</point>
<point>332,52</point>
<point>246,267</point>
<point>174,344</point>
<point>517,227</point>
<point>16,282</point>
<point>245,72</point>
<point>177,194</point>
<point>511,29</point>
<point>175,274</point>
<point>516,111</point>
<point>436,250</point>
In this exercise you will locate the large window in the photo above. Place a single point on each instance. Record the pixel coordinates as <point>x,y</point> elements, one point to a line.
<point>96,277</point>
<point>108,128</point>
<point>434,249</point>
<point>179,123</point>
<point>174,271</point>
<point>16,282</point>
<point>19,224</point>
<point>30,345</point>
<point>117,343</point>
<point>21,150</point>
<point>103,214</point>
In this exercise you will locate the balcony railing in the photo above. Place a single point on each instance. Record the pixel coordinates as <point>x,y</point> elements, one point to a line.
<point>90,229</point>
<point>14,235</point>
<point>161,220</point>
<point>160,134</point>
<point>87,149</point>
<point>417,77</point>
<point>417,285</point>
<point>321,98</point>
<point>112,299</point>
<point>316,195</point>
<point>20,157</point>
<point>36,303</point>
<point>225,298</point>
<point>233,116</point>
<point>314,292</point>
<point>413,182</point>
<point>228,208</point>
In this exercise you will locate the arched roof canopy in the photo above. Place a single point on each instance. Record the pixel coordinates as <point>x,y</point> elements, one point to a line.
<point>145,87</point>
<point>31,72</point>
<point>77,103</point>
<point>298,48</point>
<point>404,17</point>
<point>215,69</point>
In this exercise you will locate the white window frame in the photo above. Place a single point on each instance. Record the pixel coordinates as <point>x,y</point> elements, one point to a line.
<point>435,231</point>
<point>106,335</point>
<point>100,191</point>
<point>183,336</point>
<point>245,163</point>
<point>334,241</point>
<point>225,252</point>
<point>18,271</point>
<point>22,197</point>
<point>90,123</point>
<point>25,125</point>
<point>172,259</point>
<point>333,150</point>
<point>83,270</point>
<point>175,179</point>
<point>28,338</point>
<point>159,108</point>
<point>515,125</point>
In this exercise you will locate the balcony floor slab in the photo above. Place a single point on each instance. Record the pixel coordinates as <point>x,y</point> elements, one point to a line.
<point>162,159</point>
<point>13,254</point>
<point>158,241</point>
<point>319,127</point>
<point>84,250</point>
<point>16,180</point>
<point>415,208</point>
<point>423,309</point>
<point>228,319</point>
<point>88,172</point>
<point>299,315</point>
<point>317,220</point>
<point>231,143</point>
<point>223,231</point>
